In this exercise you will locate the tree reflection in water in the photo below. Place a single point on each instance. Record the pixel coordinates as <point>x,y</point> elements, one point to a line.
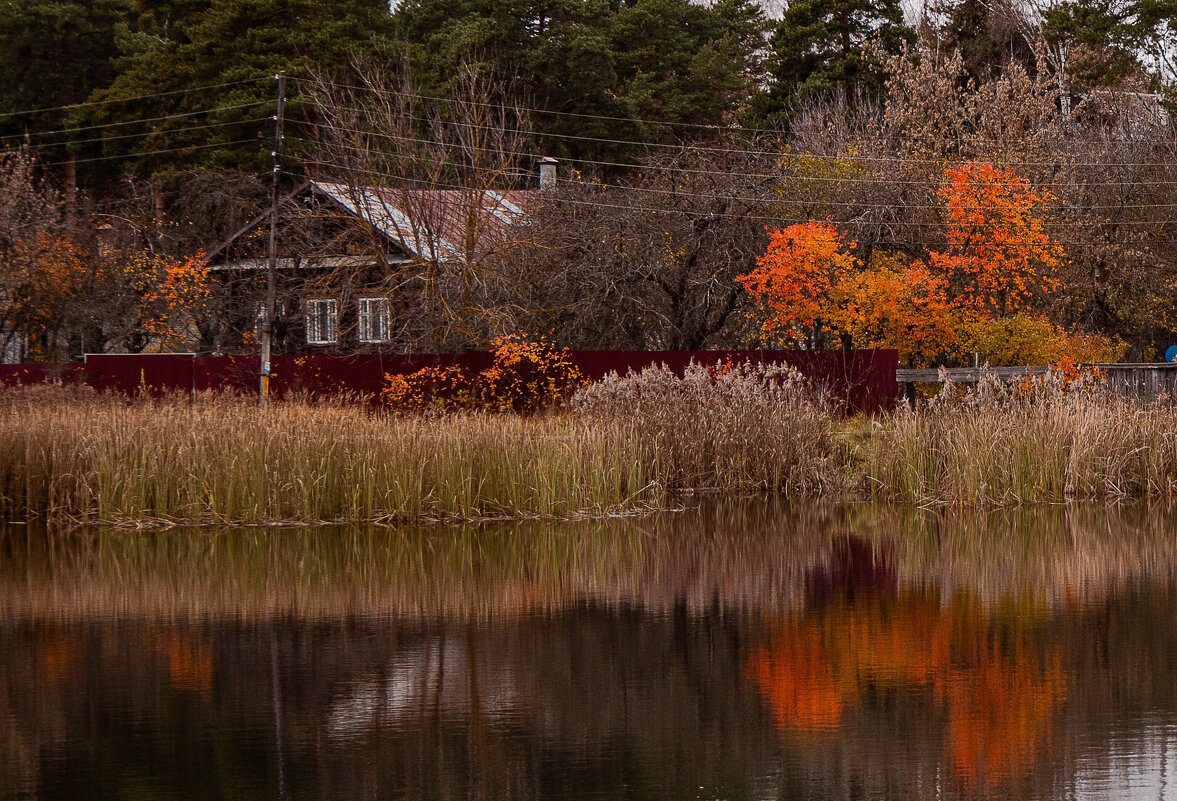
<point>1000,682</point>
<point>754,652</point>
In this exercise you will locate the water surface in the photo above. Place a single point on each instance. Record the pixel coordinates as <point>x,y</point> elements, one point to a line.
<point>740,651</point>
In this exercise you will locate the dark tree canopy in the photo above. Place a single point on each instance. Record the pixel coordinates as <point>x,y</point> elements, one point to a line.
<point>54,53</point>
<point>632,70</point>
<point>235,47</point>
<point>822,47</point>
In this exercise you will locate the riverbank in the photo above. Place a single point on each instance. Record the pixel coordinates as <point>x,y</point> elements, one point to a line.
<point>69,454</point>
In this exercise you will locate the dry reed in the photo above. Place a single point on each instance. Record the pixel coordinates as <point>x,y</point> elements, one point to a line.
<point>72,454</point>
<point>998,444</point>
<point>740,428</point>
<point>626,444</point>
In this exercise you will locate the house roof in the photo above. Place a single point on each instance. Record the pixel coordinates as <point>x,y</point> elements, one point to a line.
<point>431,224</point>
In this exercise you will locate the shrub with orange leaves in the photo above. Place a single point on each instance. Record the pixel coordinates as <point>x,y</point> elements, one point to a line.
<point>1027,338</point>
<point>430,389</point>
<point>527,376</point>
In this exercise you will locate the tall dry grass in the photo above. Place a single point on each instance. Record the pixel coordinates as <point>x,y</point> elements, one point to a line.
<point>998,444</point>
<point>743,428</point>
<point>626,444</point>
<point>70,453</point>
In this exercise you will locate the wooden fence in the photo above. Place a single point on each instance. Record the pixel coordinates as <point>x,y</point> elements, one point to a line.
<point>1146,380</point>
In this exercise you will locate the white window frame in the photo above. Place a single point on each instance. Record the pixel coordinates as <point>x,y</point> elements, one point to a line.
<point>375,320</point>
<point>320,313</point>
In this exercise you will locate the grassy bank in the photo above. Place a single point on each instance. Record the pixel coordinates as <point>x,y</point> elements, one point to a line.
<point>625,445</point>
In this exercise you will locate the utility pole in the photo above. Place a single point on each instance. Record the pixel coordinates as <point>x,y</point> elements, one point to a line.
<point>272,253</point>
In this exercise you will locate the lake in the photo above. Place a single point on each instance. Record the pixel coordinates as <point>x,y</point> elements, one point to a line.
<point>738,650</point>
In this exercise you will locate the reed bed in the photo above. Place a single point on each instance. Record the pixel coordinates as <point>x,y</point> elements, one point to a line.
<point>743,428</point>
<point>71,454</point>
<point>625,444</point>
<point>1005,445</point>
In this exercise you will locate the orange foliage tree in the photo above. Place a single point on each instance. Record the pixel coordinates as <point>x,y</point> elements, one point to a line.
<point>901,306</point>
<point>1000,256</point>
<point>171,292</point>
<point>796,276</point>
<point>985,293</point>
<point>49,282</point>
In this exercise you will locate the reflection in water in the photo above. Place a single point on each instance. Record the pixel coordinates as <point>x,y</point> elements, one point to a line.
<point>999,685</point>
<point>754,651</point>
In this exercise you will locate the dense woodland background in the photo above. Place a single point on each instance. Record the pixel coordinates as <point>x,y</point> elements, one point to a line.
<point>961,178</point>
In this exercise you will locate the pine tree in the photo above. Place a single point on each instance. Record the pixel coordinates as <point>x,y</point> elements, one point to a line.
<point>820,47</point>
<point>235,47</point>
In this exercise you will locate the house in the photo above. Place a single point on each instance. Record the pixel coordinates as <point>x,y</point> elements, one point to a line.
<point>364,268</point>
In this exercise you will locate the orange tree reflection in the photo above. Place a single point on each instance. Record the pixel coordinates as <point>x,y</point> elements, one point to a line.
<point>998,684</point>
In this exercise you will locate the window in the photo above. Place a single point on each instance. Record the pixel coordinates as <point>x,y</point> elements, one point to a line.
<point>322,321</point>
<point>374,320</point>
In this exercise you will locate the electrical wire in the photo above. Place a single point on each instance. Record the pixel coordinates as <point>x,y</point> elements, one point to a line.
<point>134,122</point>
<point>775,220</point>
<point>730,173</point>
<point>90,103</point>
<point>158,132</point>
<point>151,152</point>
<point>721,129</point>
<point>785,198</point>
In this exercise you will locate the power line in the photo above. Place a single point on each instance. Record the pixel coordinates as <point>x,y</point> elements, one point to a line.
<point>779,132</point>
<point>777,220</point>
<point>727,151</point>
<point>727,129</point>
<point>152,152</point>
<point>820,201</point>
<point>133,122</point>
<point>89,103</point>
<point>158,132</point>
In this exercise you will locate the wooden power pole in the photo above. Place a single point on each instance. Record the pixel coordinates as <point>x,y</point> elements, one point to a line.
<point>272,252</point>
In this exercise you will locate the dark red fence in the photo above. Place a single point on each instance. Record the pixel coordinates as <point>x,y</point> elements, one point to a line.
<point>863,379</point>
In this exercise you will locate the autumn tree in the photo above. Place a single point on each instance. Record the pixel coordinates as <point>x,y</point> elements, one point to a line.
<point>157,300</point>
<point>43,273</point>
<point>999,257</point>
<point>795,280</point>
<point>984,293</point>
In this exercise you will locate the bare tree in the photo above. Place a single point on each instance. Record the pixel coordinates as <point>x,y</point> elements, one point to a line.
<point>434,181</point>
<point>651,262</point>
